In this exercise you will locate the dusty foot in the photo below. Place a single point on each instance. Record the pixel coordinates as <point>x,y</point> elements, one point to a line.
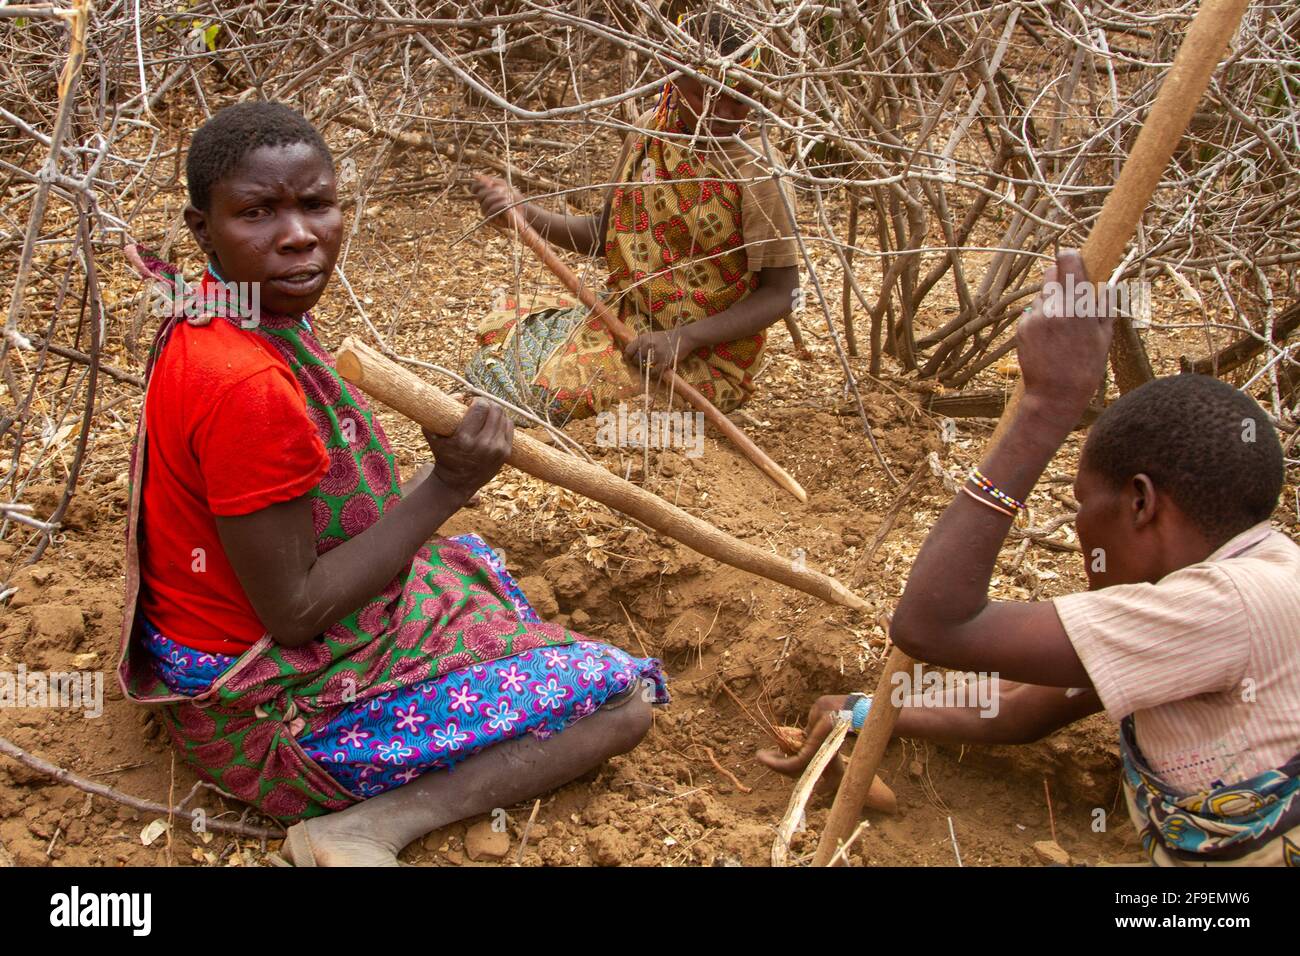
<point>337,841</point>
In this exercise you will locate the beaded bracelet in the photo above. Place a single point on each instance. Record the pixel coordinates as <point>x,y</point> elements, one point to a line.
<point>977,478</point>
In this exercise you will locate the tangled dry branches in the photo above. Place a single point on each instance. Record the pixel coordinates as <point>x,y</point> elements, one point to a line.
<point>940,149</point>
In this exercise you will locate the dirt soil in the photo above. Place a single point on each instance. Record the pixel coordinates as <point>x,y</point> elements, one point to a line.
<point>743,654</point>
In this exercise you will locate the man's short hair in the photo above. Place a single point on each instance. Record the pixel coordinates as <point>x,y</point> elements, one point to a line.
<point>220,144</point>
<point>1207,445</point>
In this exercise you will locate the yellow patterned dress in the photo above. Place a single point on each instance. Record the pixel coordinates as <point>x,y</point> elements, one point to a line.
<point>688,232</point>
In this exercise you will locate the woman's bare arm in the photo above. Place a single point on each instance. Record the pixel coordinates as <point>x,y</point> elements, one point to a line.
<point>1021,714</point>
<point>581,234</point>
<point>945,615</point>
<point>298,594</point>
<point>1024,713</point>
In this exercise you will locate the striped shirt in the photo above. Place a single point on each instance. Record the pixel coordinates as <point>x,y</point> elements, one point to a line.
<point>1207,660</point>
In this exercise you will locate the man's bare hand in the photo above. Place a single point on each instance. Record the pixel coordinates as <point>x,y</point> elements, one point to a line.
<point>1062,353</point>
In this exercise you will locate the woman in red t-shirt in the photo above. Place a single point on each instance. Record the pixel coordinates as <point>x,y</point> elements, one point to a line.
<point>313,652</point>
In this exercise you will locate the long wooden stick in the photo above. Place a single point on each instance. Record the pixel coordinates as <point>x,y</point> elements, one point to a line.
<point>624,336</point>
<point>1180,91</point>
<point>429,406</point>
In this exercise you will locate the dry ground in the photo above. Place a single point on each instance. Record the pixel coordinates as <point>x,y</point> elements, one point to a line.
<point>741,653</point>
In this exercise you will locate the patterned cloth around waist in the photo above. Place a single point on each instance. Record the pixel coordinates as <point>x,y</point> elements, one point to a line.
<point>374,745</point>
<point>188,671</point>
<point>562,364</point>
<point>1255,822</point>
<point>183,669</point>
<point>515,346</point>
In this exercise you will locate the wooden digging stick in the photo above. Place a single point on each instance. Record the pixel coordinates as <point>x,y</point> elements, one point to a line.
<point>429,406</point>
<point>624,336</point>
<point>1179,94</point>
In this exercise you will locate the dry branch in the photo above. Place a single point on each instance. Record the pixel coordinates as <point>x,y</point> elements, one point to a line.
<point>973,140</point>
<point>40,765</point>
<point>436,411</point>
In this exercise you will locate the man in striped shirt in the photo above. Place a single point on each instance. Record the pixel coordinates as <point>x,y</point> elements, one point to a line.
<point>1189,634</point>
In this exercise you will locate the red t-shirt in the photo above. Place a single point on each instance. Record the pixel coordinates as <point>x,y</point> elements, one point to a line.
<point>228,434</point>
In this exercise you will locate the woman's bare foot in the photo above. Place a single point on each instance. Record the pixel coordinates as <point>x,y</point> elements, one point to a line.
<point>340,839</point>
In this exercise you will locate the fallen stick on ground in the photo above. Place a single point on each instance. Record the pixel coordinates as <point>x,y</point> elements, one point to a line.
<point>842,854</point>
<point>1179,93</point>
<point>952,834</point>
<point>528,828</point>
<point>891,515</point>
<point>10,749</point>
<point>432,408</point>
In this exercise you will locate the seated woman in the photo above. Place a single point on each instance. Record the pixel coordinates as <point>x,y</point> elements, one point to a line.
<point>313,652</point>
<point>701,256</point>
<point>1189,636</point>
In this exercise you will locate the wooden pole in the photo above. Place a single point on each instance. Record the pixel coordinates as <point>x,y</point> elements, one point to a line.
<point>1180,91</point>
<point>429,406</point>
<point>624,336</point>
